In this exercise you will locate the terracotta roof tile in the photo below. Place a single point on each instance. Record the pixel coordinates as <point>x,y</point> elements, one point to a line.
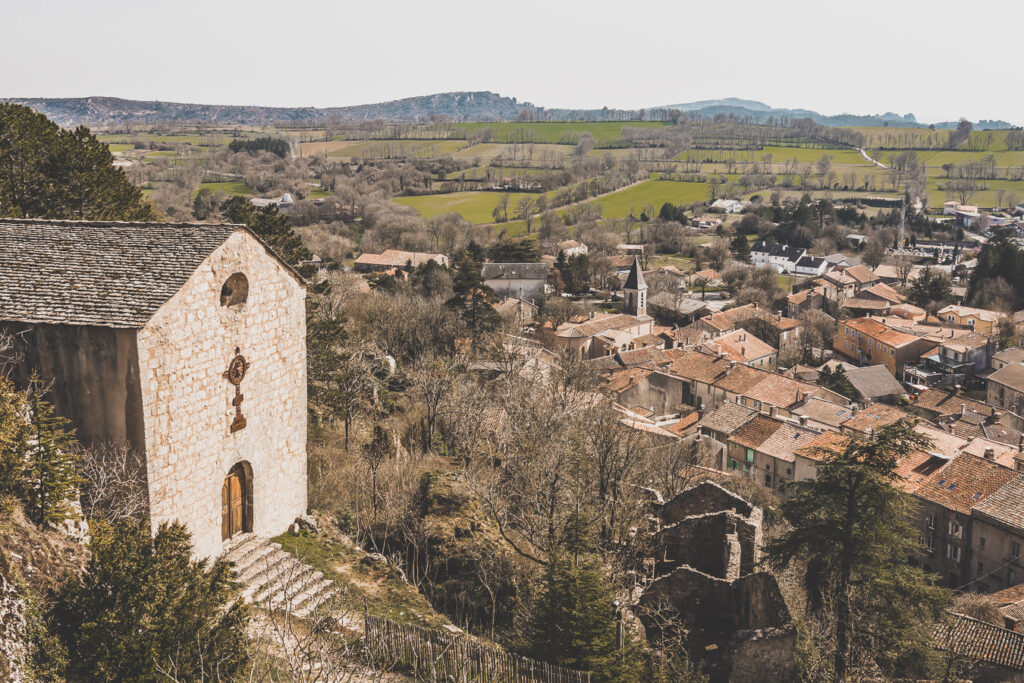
<point>727,419</point>
<point>755,432</point>
<point>965,483</point>
<point>978,640</point>
<point>875,416</point>
<point>946,403</point>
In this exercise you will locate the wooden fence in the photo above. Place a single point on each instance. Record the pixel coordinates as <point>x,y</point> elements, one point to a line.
<point>435,655</point>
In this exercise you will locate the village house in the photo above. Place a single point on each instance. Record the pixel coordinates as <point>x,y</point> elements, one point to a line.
<point>810,299</point>
<point>870,342</point>
<point>944,518</point>
<point>978,319</point>
<point>602,335</point>
<point>783,258</point>
<point>728,205</point>
<point>954,361</point>
<point>184,341</point>
<point>811,265</point>
<point>572,248</point>
<point>997,536</point>
<point>873,383</point>
<point>765,449</point>
<point>524,281</point>
<point>719,425</point>
<point>742,346</point>
<point>1014,354</point>
<point>395,258</point>
<point>1006,388</point>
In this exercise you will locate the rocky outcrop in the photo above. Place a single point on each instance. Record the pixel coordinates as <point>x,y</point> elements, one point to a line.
<point>13,648</point>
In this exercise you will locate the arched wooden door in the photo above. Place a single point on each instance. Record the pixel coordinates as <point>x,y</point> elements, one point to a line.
<point>233,508</point>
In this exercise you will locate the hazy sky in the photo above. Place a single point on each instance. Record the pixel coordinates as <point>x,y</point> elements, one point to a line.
<point>938,59</point>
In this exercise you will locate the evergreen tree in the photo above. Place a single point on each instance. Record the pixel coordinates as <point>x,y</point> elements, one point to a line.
<point>931,288</point>
<point>14,436</point>
<point>851,531</point>
<point>741,247</point>
<point>51,466</point>
<point>574,623</point>
<point>515,251</point>
<point>837,381</point>
<point>143,604</point>
<point>48,172</point>
<point>271,226</point>
<point>473,299</point>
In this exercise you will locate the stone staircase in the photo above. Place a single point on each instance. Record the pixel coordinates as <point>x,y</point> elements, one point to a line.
<point>274,578</point>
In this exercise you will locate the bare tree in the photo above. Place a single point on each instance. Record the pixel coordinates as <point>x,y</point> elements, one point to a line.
<point>432,382</point>
<point>114,482</point>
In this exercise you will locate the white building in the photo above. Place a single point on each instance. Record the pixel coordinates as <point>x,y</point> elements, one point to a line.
<point>811,265</point>
<point>728,205</point>
<point>783,258</point>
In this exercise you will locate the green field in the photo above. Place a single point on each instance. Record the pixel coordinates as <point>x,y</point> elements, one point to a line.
<point>231,188</point>
<point>937,158</point>
<point>633,199</point>
<point>476,207</point>
<point>396,149</point>
<point>561,132</point>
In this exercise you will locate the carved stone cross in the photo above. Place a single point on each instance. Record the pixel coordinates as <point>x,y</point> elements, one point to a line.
<point>235,374</point>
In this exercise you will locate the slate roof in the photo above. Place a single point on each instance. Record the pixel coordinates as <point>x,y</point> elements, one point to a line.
<point>1009,375</point>
<point>1005,505</point>
<point>514,271</point>
<point>965,482</point>
<point>779,250</point>
<point>1014,354</point>
<point>98,273</point>
<point>978,640</point>
<point>635,279</point>
<point>728,418</point>
<point>812,262</point>
<point>874,381</point>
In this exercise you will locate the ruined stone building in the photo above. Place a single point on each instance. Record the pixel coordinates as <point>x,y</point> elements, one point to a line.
<point>735,617</point>
<point>186,341</point>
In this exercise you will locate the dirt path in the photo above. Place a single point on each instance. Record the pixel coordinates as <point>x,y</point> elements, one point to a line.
<point>876,162</point>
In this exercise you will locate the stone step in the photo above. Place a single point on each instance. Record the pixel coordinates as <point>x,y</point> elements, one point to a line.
<point>315,600</point>
<point>259,561</point>
<point>296,592</point>
<point>291,573</point>
<point>239,546</point>
<point>267,574</point>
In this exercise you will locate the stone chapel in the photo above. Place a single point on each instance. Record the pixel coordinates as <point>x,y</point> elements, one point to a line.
<point>188,342</point>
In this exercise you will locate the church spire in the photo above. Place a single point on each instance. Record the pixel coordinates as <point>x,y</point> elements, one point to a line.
<point>635,291</point>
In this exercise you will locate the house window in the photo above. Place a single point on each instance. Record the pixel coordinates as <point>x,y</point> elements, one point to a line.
<point>953,552</point>
<point>981,542</point>
<point>750,455</point>
<point>929,543</point>
<point>1014,549</point>
<point>1011,577</point>
<point>930,521</point>
<point>733,465</point>
<point>955,529</point>
<point>981,568</point>
<point>767,480</point>
<point>235,290</point>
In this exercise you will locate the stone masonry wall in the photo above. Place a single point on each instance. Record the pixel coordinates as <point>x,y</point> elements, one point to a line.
<point>184,351</point>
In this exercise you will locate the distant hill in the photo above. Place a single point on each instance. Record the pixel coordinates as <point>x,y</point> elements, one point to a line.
<point>452,106</point>
<point>106,111</point>
<point>759,111</point>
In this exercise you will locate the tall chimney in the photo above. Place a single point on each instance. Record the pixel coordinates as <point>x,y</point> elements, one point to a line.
<point>990,453</point>
<point>803,420</point>
<point>963,409</point>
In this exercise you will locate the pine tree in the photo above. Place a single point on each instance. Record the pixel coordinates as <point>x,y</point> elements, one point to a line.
<point>851,531</point>
<point>271,226</point>
<point>51,466</point>
<point>741,247</point>
<point>144,603</point>
<point>574,623</point>
<point>47,172</point>
<point>14,436</point>
<point>473,299</point>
